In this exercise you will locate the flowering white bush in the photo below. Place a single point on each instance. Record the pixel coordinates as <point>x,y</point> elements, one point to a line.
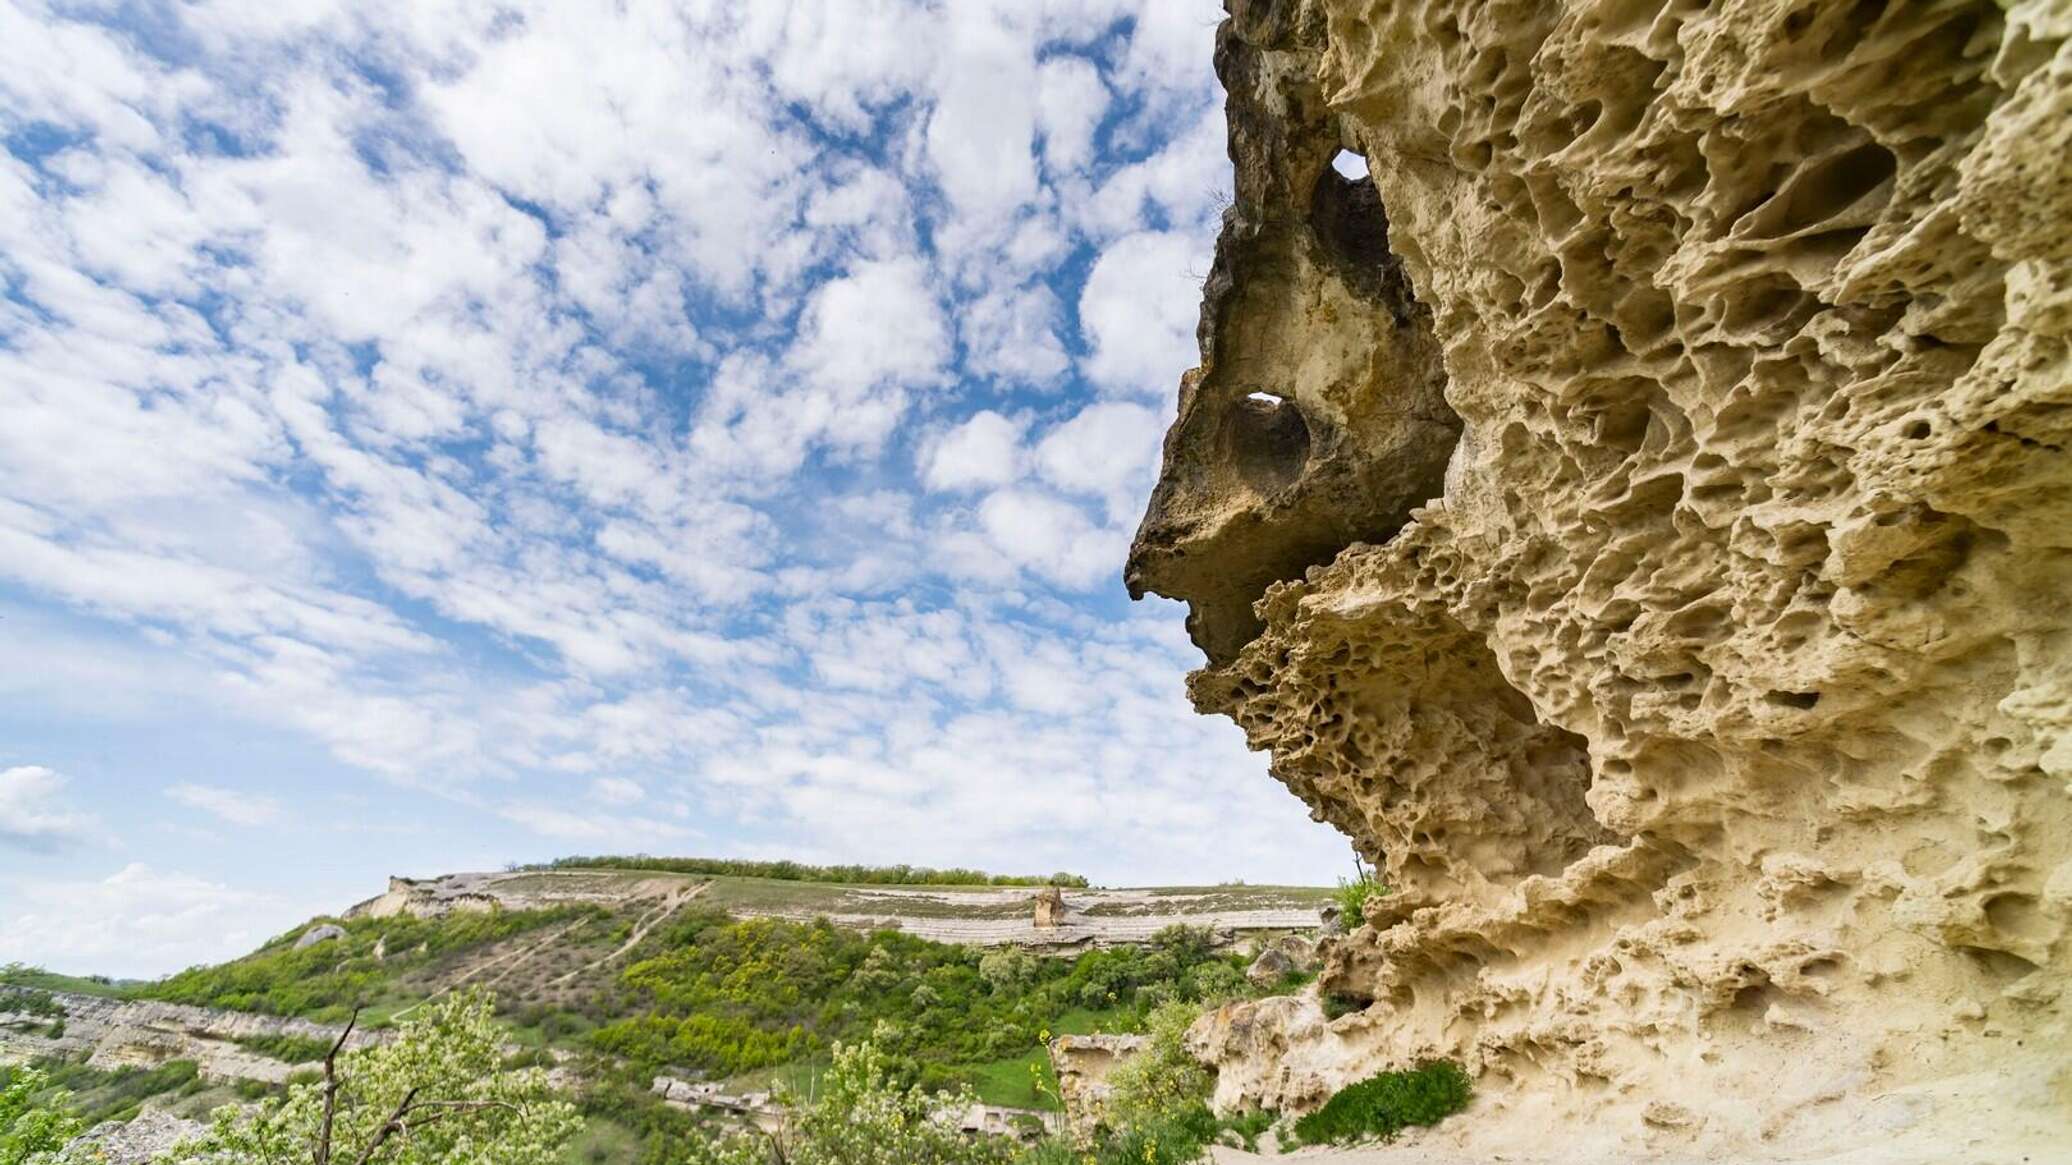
<point>437,1094</point>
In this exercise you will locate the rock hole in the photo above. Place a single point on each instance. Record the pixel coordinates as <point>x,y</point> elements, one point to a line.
<point>2016,916</point>
<point>1802,701</point>
<point>1266,440</point>
<point>1352,232</point>
<point>1833,185</point>
<point>1350,166</point>
<point>1919,431</point>
<point>1999,966</point>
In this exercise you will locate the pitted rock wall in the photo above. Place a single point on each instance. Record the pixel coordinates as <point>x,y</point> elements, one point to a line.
<point>1669,586</point>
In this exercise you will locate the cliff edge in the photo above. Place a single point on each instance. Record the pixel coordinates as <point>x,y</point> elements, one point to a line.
<point>1639,515</point>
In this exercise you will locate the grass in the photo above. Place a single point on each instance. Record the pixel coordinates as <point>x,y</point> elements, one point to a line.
<point>98,1095</point>
<point>603,1141</point>
<point>18,975</point>
<point>1387,1103</point>
<point>1024,1081</point>
<point>286,1047</point>
<point>901,875</point>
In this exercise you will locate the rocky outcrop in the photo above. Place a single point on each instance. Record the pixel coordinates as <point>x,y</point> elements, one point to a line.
<point>1083,1064</point>
<point>145,1033</point>
<point>148,1137</point>
<point>429,897</point>
<point>1049,909</point>
<point>1639,515</point>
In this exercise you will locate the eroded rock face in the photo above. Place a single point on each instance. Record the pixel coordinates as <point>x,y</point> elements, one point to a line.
<point>1661,540</point>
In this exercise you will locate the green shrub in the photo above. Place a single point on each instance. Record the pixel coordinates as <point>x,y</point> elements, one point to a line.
<point>32,1118</point>
<point>1337,1003</point>
<point>1353,897</point>
<point>1246,1127</point>
<point>327,980</point>
<point>800,872</point>
<point>1387,1103</point>
<point>286,1047</point>
<point>30,1001</point>
<point>1164,1080</point>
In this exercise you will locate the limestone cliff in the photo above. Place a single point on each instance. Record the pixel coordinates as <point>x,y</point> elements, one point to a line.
<point>1639,515</point>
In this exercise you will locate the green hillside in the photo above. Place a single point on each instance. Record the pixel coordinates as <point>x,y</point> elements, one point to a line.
<point>718,977</point>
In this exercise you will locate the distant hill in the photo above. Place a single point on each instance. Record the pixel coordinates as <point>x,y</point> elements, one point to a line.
<point>621,975</point>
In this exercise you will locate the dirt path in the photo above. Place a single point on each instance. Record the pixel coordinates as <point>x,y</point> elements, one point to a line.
<point>641,927</point>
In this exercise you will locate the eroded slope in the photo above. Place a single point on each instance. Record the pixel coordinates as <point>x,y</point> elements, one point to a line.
<point>1710,716</point>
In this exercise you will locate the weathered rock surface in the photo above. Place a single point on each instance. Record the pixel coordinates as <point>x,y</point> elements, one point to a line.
<point>144,1033</point>
<point>1082,1064</point>
<point>1653,483</point>
<point>139,1141</point>
<point>319,934</point>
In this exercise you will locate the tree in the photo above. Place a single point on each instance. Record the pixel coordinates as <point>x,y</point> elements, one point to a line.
<point>29,1128</point>
<point>437,1094</point>
<point>1164,1078</point>
<point>860,1117</point>
<point>1007,969</point>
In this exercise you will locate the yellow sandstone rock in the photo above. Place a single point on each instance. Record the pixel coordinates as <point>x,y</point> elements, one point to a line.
<point>1640,516</point>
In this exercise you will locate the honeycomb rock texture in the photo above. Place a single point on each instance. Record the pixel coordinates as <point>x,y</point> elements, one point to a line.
<point>1639,515</point>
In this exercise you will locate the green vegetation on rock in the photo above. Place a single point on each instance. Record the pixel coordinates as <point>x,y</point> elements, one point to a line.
<point>786,871</point>
<point>726,997</point>
<point>1353,897</point>
<point>1387,1103</point>
<point>327,980</point>
<point>861,1115</point>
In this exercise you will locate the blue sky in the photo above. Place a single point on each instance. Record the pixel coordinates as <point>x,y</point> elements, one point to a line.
<point>434,435</point>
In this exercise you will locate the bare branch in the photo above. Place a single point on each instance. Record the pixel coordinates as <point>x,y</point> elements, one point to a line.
<point>323,1148</point>
<point>393,1124</point>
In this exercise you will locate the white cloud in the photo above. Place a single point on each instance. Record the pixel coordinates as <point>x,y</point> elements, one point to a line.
<point>1051,537</point>
<point>1109,449</point>
<point>1138,312</point>
<point>617,791</point>
<point>622,832</point>
<point>1012,335</point>
<point>34,814</point>
<point>878,324</point>
<point>135,922</point>
<point>980,132</point>
<point>232,805</point>
<point>706,426</point>
<point>985,450</point>
<point>1071,101</point>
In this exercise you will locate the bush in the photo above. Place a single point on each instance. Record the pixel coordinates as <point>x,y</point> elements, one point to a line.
<point>1387,1103</point>
<point>327,980</point>
<point>440,1083</point>
<point>1353,897</point>
<point>30,1001</point>
<point>861,1116</point>
<point>800,872</point>
<point>286,1047</point>
<point>1164,1080</point>
<point>32,1124</point>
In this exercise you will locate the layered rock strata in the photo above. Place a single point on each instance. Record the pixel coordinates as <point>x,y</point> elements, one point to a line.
<point>1639,515</point>
<point>111,1034</point>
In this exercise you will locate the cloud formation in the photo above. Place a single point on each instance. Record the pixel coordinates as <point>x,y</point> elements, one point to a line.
<point>35,814</point>
<point>738,440</point>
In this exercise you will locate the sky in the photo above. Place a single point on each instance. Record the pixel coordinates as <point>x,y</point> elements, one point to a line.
<point>435,435</point>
